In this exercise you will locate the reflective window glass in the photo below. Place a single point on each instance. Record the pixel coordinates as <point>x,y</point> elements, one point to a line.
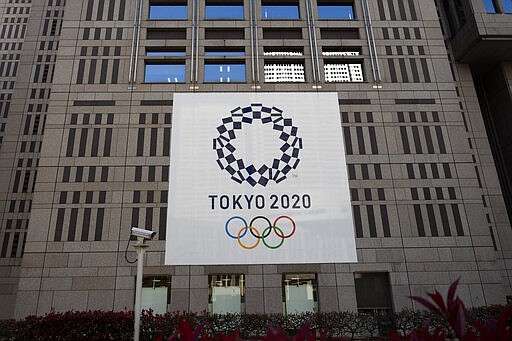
<point>224,72</point>
<point>280,11</point>
<point>489,6</point>
<point>165,73</point>
<point>156,293</point>
<point>217,11</point>
<point>335,12</point>
<point>165,53</point>
<point>507,6</point>
<point>226,293</point>
<point>167,12</point>
<point>300,293</point>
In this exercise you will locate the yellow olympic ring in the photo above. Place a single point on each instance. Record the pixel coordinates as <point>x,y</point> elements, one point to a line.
<point>245,229</point>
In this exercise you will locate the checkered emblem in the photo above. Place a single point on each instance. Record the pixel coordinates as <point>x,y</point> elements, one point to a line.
<point>241,170</point>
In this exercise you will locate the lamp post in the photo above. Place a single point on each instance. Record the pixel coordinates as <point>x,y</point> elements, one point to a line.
<point>142,235</point>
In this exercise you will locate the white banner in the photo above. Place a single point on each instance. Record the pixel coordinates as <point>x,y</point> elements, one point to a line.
<point>258,178</point>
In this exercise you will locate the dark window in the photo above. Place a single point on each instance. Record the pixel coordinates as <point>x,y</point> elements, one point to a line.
<point>419,220</point>
<point>373,291</point>
<point>282,33</point>
<point>165,52</point>
<point>223,34</point>
<point>224,51</point>
<point>162,223</point>
<point>99,224</point>
<point>168,33</point>
<point>59,225</point>
<point>357,221</point>
<point>140,142</point>
<point>339,33</point>
<point>85,224</point>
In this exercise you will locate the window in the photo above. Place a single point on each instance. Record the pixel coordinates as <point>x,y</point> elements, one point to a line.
<point>279,10</point>
<point>224,72</point>
<point>156,293</point>
<point>340,52</point>
<point>166,33</point>
<point>226,293</point>
<point>498,6</point>
<point>300,293</point>
<point>507,6</point>
<point>335,10</point>
<point>276,51</point>
<point>373,291</point>
<point>339,33</point>
<point>224,10</point>
<point>174,11</point>
<point>211,51</point>
<point>490,6</point>
<point>165,52</point>
<point>284,72</point>
<point>223,33</point>
<point>165,73</point>
<point>343,72</point>
<point>282,33</point>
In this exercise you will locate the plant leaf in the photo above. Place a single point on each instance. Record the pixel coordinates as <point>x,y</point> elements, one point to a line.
<point>438,299</point>
<point>427,304</point>
<point>460,323</point>
<point>197,331</point>
<point>451,291</point>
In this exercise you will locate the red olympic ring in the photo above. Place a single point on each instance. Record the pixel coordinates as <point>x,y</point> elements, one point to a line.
<point>288,235</point>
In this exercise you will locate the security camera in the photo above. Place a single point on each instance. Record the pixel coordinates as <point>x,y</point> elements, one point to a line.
<point>142,233</point>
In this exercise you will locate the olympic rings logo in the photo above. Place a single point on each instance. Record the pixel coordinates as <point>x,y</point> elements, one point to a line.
<point>260,237</point>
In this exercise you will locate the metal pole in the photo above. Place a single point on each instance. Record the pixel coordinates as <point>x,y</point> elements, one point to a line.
<point>141,248</point>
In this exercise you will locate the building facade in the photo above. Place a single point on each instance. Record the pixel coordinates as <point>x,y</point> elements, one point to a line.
<point>86,103</point>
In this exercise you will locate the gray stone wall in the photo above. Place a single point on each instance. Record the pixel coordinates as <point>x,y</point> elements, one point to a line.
<point>424,191</point>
